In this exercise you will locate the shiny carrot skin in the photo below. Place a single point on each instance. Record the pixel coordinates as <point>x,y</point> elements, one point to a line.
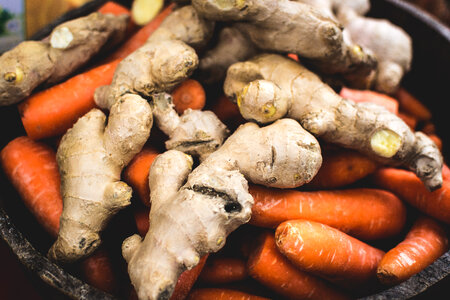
<point>364,213</point>
<point>187,279</point>
<point>136,173</point>
<point>32,169</point>
<point>221,294</point>
<point>52,111</point>
<point>328,253</point>
<point>221,270</point>
<point>189,94</point>
<point>426,241</point>
<point>386,101</point>
<point>268,266</point>
<point>341,168</point>
<point>408,187</point>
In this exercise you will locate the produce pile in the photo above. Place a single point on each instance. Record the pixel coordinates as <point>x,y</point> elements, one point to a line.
<point>287,160</point>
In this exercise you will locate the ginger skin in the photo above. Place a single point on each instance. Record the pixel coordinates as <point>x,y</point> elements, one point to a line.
<point>271,26</point>
<point>69,46</point>
<point>270,87</point>
<point>187,221</point>
<point>90,159</point>
<point>195,132</point>
<point>165,60</point>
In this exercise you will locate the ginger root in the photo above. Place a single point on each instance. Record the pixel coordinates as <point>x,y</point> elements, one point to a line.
<point>191,219</point>
<point>270,87</point>
<point>165,60</point>
<point>287,26</point>
<point>69,46</point>
<point>195,132</point>
<point>90,160</point>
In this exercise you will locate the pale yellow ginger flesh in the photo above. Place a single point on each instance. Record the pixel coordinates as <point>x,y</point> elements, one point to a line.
<point>285,26</point>
<point>193,213</point>
<point>90,158</point>
<point>70,45</point>
<point>270,86</point>
<point>164,61</point>
<point>195,132</point>
<point>143,11</point>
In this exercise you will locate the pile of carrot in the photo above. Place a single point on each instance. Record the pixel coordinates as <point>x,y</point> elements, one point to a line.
<point>358,227</point>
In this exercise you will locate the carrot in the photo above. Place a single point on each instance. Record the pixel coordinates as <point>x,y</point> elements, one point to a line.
<point>386,101</point>
<point>114,8</point>
<point>220,270</point>
<point>411,105</point>
<point>328,252</point>
<point>188,94</point>
<point>410,120</point>
<point>221,294</point>
<point>141,36</point>
<point>32,169</point>
<point>407,186</point>
<point>142,220</point>
<point>445,172</point>
<point>293,56</point>
<point>268,266</point>
<point>97,270</point>
<point>187,280</point>
<point>425,242</point>
<point>136,173</point>
<point>52,111</point>
<point>228,112</point>
<point>437,140</point>
<point>342,167</point>
<point>363,213</point>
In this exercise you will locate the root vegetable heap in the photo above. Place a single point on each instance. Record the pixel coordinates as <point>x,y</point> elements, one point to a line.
<point>90,160</point>
<point>292,27</point>
<point>271,86</point>
<point>69,46</point>
<point>187,221</point>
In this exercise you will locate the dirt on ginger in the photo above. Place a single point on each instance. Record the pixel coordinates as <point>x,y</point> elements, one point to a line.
<point>270,87</point>
<point>69,46</point>
<point>192,213</point>
<point>90,160</point>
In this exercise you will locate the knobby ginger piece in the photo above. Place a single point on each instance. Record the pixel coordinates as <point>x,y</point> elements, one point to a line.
<point>192,213</point>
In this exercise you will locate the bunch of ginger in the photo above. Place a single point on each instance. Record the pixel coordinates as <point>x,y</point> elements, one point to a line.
<point>310,139</point>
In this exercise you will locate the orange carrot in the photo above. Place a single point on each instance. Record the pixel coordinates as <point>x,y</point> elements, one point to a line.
<point>342,167</point>
<point>293,56</point>
<point>437,140</point>
<point>363,213</point>
<point>225,109</point>
<point>407,186</point>
<point>97,270</point>
<point>268,266</point>
<point>142,220</point>
<point>445,172</point>
<point>188,94</point>
<point>187,280</point>
<point>51,112</point>
<point>136,173</point>
<point>141,36</point>
<point>328,252</point>
<point>114,8</point>
<point>386,101</point>
<point>412,105</point>
<point>220,270</point>
<point>425,242</point>
<point>32,169</point>
<point>221,294</point>
<point>410,120</point>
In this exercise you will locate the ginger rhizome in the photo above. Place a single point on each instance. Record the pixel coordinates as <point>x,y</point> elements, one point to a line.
<point>270,87</point>
<point>165,60</point>
<point>287,26</point>
<point>195,132</point>
<point>192,213</point>
<point>390,44</point>
<point>69,46</point>
<point>90,160</point>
